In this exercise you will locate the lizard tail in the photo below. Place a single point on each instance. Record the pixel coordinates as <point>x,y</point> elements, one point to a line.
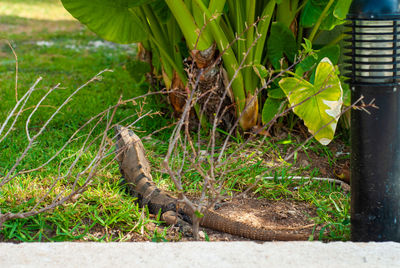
<point>217,222</point>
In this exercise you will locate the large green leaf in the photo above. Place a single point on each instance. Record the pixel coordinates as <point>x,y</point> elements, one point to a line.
<point>276,93</point>
<point>320,103</point>
<point>271,108</point>
<point>342,8</point>
<point>113,20</point>
<point>138,69</point>
<point>161,10</point>
<point>281,42</point>
<point>335,15</point>
<point>261,72</point>
<point>310,62</point>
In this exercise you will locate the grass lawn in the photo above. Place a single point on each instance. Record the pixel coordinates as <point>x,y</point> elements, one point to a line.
<point>51,45</point>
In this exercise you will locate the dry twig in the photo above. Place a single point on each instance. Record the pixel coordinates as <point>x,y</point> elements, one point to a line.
<point>76,178</point>
<point>200,158</point>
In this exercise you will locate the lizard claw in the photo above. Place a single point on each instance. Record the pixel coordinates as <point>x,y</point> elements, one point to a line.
<point>171,218</point>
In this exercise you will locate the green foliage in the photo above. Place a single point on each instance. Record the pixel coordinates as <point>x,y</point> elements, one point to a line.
<point>271,108</point>
<point>106,212</point>
<point>159,237</point>
<point>281,43</point>
<point>161,10</point>
<point>311,61</point>
<point>307,47</point>
<point>198,214</point>
<point>341,9</point>
<point>276,93</point>
<point>332,17</point>
<point>138,69</point>
<point>318,104</point>
<point>165,23</point>
<point>112,20</point>
<point>261,72</point>
<point>70,55</point>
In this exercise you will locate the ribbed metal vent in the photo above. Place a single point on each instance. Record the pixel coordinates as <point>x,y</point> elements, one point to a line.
<point>373,52</point>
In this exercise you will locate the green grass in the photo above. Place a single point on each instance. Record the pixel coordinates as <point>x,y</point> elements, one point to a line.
<point>35,9</point>
<point>331,202</point>
<point>62,51</point>
<point>52,45</point>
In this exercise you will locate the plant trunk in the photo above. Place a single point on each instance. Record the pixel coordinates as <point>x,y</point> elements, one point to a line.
<point>213,82</point>
<point>146,55</point>
<point>178,96</point>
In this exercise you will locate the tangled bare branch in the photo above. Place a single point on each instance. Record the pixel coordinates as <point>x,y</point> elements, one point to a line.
<point>75,173</point>
<point>209,158</point>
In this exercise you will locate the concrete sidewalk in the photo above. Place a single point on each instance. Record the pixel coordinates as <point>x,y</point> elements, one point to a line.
<point>201,254</point>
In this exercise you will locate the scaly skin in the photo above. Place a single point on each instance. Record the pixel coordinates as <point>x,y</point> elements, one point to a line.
<point>135,168</point>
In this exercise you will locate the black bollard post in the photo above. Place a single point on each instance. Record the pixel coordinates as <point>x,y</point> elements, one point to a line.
<point>373,54</point>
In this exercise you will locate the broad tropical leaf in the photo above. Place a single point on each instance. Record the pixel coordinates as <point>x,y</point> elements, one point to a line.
<point>321,102</point>
<point>271,108</point>
<point>276,93</point>
<point>335,15</point>
<point>113,20</point>
<point>281,43</point>
<point>261,72</point>
<point>138,69</point>
<point>342,8</point>
<point>310,62</point>
<point>161,10</point>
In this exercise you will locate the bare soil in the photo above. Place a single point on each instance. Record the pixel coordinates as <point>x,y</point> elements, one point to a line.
<point>282,216</point>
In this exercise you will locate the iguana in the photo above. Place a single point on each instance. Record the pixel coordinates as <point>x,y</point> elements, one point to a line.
<point>135,169</point>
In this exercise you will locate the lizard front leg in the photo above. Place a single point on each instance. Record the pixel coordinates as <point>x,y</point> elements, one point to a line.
<point>172,218</point>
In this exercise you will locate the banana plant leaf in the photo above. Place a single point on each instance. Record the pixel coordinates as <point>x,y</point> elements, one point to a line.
<point>113,20</point>
<point>335,15</point>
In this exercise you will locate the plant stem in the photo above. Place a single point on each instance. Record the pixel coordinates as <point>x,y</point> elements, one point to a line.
<point>250,79</point>
<point>154,25</point>
<point>232,18</point>
<point>216,6</point>
<point>291,73</point>
<point>228,57</point>
<point>337,39</point>
<point>228,30</point>
<point>302,6</point>
<point>239,28</point>
<point>165,49</point>
<point>287,11</point>
<point>299,36</point>
<point>203,119</point>
<point>199,18</point>
<point>319,21</point>
<point>263,27</point>
<point>188,26</point>
<point>175,37</point>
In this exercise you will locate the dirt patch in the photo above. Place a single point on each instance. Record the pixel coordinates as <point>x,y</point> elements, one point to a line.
<point>275,215</point>
<point>282,216</point>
